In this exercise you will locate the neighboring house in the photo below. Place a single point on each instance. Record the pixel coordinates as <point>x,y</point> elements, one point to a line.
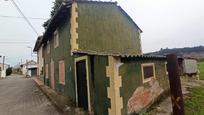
<point>6,66</point>
<point>40,60</point>
<point>188,66</point>
<point>3,68</point>
<point>29,69</point>
<point>17,69</point>
<point>93,56</point>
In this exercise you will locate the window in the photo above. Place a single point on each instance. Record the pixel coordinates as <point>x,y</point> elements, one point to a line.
<point>56,39</point>
<point>148,72</point>
<point>61,72</point>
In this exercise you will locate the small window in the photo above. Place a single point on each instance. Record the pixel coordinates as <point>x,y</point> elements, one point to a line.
<point>48,47</point>
<point>56,39</point>
<point>61,72</point>
<point>148,72</point>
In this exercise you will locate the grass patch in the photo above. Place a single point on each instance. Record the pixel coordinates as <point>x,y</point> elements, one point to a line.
<point>195,104</point>
<point>201,69</point>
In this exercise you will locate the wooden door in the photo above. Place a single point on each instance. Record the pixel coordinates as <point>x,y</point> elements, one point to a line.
<point>82,84</point>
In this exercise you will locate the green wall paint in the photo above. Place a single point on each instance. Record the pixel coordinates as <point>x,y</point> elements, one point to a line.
<point>62,52</point>
<point>99,99</point>
<point>103,28</point>
<point>101,82</point>
<point>132,77</point>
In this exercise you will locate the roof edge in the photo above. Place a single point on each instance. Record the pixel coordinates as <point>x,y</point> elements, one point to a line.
<point>123,55</point>
<point>125,13</point>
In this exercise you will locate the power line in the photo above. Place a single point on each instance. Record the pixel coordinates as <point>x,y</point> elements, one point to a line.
<point>26,19</point>
<point>15,42</point>
<point>5,16</point>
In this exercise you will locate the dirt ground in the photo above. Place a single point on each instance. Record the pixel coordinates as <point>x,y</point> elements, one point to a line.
<point>165,107</point>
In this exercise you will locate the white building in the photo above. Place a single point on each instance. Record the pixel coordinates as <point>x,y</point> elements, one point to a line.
<point>3,68</point>
<point>40,60</point>
<point>190,66</point>
<point>29,69</point>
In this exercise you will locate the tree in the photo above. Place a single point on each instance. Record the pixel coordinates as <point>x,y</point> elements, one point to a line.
<point>57,4</point>
<point>8,71</point>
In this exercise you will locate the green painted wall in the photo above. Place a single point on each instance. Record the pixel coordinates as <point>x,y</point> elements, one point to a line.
<point>132,77</point>
<point>109,31</point>
<point>62,52</point>
<point>101,82</point>
<point>103,28</point>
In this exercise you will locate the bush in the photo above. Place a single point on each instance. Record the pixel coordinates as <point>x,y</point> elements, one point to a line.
<point>8,71</point>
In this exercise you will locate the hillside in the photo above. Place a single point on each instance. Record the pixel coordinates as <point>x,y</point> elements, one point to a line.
<point>194,52</point>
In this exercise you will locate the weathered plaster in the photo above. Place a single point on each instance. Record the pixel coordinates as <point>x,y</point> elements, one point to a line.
<point>52,74</point>
<point>74,27</point>
<point>115,84</point>
<point>140,43</point>
<point>105,29</point>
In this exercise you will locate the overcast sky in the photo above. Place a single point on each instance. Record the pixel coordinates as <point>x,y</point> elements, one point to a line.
<point>165,23</point>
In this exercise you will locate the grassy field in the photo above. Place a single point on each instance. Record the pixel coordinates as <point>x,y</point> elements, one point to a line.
<point>201,69</point>
<point>195,104</point>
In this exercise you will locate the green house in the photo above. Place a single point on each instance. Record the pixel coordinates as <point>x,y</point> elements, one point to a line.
<point>93,56</point>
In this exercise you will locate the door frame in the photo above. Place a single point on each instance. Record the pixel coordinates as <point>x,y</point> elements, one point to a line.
<point>83,58</point>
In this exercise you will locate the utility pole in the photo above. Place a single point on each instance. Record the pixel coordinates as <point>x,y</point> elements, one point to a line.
<point>26,19</point>
<point>26,67</point>
<point>3,62</point>
<point>3,71</point>
<point>175,85</point>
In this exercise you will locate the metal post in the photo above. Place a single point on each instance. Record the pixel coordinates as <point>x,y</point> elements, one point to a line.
<point>175,85</point>
<point>3,62</point>
<point>26,68</point>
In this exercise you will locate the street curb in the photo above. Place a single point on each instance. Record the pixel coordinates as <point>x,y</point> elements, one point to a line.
<point>43,88</point>
<point>64,105</point>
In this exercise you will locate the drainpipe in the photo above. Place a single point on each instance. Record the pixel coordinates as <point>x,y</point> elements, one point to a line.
<point>3,62</point>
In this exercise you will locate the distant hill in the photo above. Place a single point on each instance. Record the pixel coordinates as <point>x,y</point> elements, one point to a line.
<point>194,52</point>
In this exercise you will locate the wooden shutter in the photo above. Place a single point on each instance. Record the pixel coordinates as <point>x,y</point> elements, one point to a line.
<point>61,72</point>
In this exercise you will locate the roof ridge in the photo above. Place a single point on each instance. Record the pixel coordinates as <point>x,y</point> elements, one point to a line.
<point>96,1</point>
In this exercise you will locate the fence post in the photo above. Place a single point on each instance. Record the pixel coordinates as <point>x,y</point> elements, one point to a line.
<point>175,85</point>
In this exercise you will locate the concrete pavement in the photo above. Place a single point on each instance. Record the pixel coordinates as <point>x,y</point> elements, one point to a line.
<point>20,96</point>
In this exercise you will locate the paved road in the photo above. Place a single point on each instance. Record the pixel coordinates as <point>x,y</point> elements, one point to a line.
<point>20,96</point>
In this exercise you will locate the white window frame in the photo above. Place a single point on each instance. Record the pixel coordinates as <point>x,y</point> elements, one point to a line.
<point>145,80</point>
<point>56,38</point>
<point>85,58</point>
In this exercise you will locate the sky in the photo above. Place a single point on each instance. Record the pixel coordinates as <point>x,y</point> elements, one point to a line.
<point>165,24</point>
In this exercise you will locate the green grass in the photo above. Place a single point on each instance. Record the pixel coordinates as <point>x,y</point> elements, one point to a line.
<point>201,69</point>
<point>195,104</point>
